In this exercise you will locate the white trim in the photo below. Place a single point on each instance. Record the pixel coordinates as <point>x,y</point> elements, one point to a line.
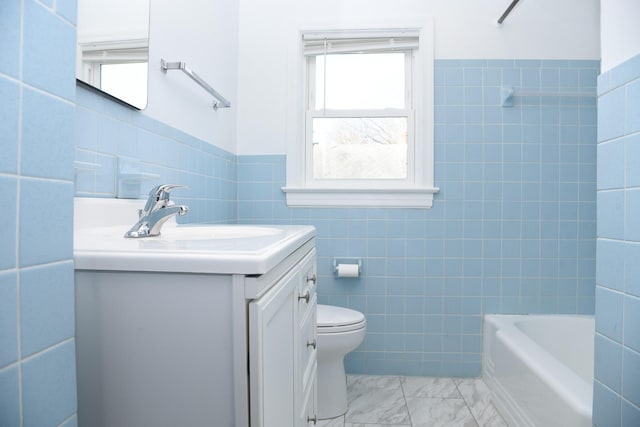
<point>416,193</point>
<point>109,45</point>
<point>388,112</point>
<point>332,197</point>
<point>318,47</point>
<point>425,105</point>
<point>361,34</point>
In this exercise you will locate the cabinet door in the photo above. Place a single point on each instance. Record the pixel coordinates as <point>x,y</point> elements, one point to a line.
<point>272,327</point>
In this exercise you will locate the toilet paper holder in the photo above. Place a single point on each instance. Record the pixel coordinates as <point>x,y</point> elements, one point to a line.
<point>349,262</point>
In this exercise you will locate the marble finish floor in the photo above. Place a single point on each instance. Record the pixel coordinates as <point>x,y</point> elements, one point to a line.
<point>385,401</point>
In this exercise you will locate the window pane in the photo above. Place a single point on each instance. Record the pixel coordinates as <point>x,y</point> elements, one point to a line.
<point>360,81</point>
<point>126,81</point>
<point>360,148</point>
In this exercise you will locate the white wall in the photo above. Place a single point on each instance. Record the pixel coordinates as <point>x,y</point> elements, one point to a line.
<point>464,29</point>
<point>620,31</point>
<point>204,34</point>
<point>113,20</point>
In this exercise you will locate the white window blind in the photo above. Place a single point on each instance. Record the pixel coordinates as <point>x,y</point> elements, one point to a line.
<point>361,42</point>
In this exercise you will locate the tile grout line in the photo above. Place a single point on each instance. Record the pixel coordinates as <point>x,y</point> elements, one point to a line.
<point>406,405</point>
<point>464,399</point>
<point>17,213</point>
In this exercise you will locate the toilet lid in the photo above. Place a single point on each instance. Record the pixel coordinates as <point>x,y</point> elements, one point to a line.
<point>330,316</point>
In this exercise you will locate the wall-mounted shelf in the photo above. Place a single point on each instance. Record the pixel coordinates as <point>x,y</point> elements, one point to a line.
<point>130,178</point>
<point>221,101</point>
<point>86,166</point>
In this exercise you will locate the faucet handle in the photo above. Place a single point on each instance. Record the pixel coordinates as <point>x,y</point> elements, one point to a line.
<point>159,194</point>
<point>162,191</point>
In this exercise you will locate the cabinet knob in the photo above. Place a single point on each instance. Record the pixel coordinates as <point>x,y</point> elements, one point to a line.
<point>311,279</point>
<point>312,343</point>
<point>304,297</point>
<point>313,419</point>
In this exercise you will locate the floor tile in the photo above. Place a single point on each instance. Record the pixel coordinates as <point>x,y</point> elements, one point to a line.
<point>392,401</point>
<point>332,422</point>
<point>439,412</point>
<point>377,406</point>
<point>366,382</point>
<point>478,398</point>
<point>375,425</point>
<point>429,387</point>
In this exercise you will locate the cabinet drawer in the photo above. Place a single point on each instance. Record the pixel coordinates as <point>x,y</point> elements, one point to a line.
<point>308,344</point>
<point>307,309</point>
<point>307,285</point>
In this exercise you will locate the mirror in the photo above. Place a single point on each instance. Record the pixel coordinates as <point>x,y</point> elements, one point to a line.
<point>113,48</point>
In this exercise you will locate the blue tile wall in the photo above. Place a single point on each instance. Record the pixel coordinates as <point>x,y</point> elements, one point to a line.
<point>46,306</point>
<point>512,229</point>
<point>10,22</point>
<point>106,130</point>
<point>37,158</point>
<point>49,386</point>
<point>616,391</point>
<point>8,318</point>
<point>43,33</point>
<point>9,110</point>
<point>10,396</point>
<point>37,346</point>
<point>43,236</point>
<point>8,244</point>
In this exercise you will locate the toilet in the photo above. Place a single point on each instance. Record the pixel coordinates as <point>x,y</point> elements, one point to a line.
<point>340,330</point>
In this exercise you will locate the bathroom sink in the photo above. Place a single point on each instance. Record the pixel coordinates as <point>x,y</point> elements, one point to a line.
<point>228,238</point>
<point>219,249</point>
<point>190,232</point>
<point>99,242</point>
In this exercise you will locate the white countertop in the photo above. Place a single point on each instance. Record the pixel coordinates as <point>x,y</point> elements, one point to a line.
<point>193,248</point>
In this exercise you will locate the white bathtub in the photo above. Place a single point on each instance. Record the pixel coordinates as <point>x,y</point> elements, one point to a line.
<point>540,368</point>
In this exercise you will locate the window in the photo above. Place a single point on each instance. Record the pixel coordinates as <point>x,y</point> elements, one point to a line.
<point>358,115</point>
<point>367,129</point>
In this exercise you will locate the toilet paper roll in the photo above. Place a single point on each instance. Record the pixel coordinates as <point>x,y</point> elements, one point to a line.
<point>348,270</point>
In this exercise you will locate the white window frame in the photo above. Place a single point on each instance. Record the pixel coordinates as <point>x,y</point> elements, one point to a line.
<point>96,53</point>
<point>417,190</point>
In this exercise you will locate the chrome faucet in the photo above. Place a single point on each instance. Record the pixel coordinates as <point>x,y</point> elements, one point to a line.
<point>158,209</point>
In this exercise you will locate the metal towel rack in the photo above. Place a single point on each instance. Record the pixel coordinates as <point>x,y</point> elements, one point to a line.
<point>221,101</point>
<point>508,92</point>
<point>508,11</point>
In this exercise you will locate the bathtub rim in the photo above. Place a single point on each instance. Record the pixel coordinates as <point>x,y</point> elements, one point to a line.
<point>501,326</point>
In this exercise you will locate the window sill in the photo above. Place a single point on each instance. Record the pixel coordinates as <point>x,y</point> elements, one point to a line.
<point>331,197</point>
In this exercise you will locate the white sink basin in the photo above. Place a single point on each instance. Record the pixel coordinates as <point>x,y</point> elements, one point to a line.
<point>202,232</point>
<point>99,243</point>
<point>223,249</point>
<point>214,238</point>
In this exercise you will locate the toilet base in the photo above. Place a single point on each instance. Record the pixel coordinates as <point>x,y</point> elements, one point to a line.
<point>333,344</point>
<point>332,388</point>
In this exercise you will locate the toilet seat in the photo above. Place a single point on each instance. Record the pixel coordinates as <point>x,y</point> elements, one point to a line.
<point>333,319</point>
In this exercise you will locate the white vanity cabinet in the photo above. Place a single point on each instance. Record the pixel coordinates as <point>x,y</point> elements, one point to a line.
<point>181,344</point>
<point>282,350</point>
